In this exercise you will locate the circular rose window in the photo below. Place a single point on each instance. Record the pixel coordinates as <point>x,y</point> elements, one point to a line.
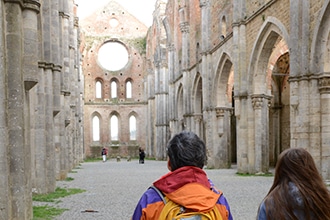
<point>113,56</point>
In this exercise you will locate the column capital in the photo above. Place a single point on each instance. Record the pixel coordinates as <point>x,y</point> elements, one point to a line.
<point>258,100</point>
<point>33,5</point>
<point>204,3</point>
<point>198,117</point>
<point>220,111</point>
<point>170,47</point>
<point>324,82</point>
<point>184,27</point>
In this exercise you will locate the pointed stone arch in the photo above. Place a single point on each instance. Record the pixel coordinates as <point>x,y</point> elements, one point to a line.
<point>114,88</point>
<point>132,125</point>
<point>197,97</point>
<point>96,126</point>
<point>270,34</point>
<point>320,66</point>
<point>114,127</point>
<point>180,108</point>
<point>225,126</point>
<point>99,85</point>
<point>320,50</point>
<point>224,82</point>
<point>270,38</point>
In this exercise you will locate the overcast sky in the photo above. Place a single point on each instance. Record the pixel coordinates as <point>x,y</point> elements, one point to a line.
<point>141,9</point>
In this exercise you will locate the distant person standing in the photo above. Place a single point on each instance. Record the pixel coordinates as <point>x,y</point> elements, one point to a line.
<point>104,154</point>
<point>142,155</point>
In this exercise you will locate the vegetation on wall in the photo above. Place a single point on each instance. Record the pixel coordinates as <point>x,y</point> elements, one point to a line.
<point>140,43</point>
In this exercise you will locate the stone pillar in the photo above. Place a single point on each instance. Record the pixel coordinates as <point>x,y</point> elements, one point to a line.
<point>242,133</point>
<point>198,125</point>
<point>64,91</point>
<point>30,74</point>
<point>299,71</point>
<point>76,97</point>
<point>206,72</point>
<point>55,50</point>
<point>17,200</point>
<point>71,105</point>
<point>324,87</point>
<point>38,184</point>
<point>50,181</point>
<point>151,144</point>
<point>260,156</point>
<point>223,137</point>
<point>205,24</point>
<point>242,102</point>
<point>162,126</point>
<point>173,113</point>
<point>4,162</point>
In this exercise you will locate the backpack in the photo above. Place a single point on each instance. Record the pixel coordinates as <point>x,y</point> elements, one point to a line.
<point>174,211</point>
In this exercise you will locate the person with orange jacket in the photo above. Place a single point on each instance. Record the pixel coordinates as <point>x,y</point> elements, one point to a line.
<point>186,184</point>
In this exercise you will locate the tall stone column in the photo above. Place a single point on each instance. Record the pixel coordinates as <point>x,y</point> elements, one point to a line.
<point>162,126</point>
<point>259,156</point>
<point>223,137</point>
<point>77,89</point>
<point>151,131</point>
<point>299,73</point>
<point>4,135</point>
<point>206,73</point>
<point>241,115</point>
<point>173,114</point>
<point>39,143</point>
<point>50,183</point>
<point>64,91</point>
<point>185,62</point>
<point>324,87</point>
<point>242,101</point>
<point>30,74</point>
<point>198,124</point>
<point>13,26</point>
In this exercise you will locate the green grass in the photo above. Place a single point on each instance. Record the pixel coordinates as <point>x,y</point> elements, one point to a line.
<point>69,179</point>
<point>46,212</point>
<point>256,174</point>
<point>59,193</point>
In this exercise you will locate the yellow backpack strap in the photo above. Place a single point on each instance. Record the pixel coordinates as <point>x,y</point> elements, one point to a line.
<point>170,210</point>
<point>175,209</point>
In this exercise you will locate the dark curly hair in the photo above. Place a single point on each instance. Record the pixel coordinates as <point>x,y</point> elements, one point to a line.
<point>186,149</point>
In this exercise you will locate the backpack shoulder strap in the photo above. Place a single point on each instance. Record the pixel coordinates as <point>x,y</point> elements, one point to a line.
<point>159,193</point>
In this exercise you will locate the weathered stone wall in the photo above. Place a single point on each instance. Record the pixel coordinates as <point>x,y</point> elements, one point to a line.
<point>32,101</point>
<point>131,33</point>
<point>229,53</point>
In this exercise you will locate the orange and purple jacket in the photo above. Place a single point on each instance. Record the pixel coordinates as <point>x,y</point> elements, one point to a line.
<point>187,186</point>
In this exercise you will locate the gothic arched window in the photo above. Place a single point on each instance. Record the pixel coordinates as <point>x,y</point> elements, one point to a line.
<point>96,128</point>
<point>98,89</point>
<point>132,128</point>
<point>128,89</point>
<point>114,128</point>
<point>113,89</point>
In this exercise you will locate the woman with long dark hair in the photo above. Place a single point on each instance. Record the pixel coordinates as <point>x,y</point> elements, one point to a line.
<point>298,191</point>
